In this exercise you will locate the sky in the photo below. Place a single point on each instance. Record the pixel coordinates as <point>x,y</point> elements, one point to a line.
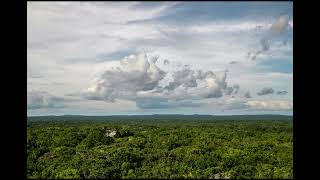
<point>115,58</point>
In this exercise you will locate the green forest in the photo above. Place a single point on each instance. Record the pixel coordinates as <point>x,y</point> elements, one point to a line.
<point>151,147</point>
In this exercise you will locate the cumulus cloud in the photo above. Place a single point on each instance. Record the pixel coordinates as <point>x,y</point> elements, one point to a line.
<point>282,92</point>
<point>41,99</point>
<point>214,85</point>
<point>232,90</point>
<point>275,30</point>
<point>189,78</point>
<point>265,91</point>
<point>136,73</point>
<point>185,77</point>
<point>138,79</point>
<point>247,94</point>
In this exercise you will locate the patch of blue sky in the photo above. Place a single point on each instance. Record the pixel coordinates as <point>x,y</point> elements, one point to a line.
<point>276,65</point>
<point>117,55</point>
<point>201,12</point>
<point>147,5</point>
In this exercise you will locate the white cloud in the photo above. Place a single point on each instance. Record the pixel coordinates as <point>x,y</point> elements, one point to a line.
<point>72,44</point>
<point>275,30</point>
<point>231,27</point>
<point>138,78</point>
<point>136,73</point>
<point>291,23</point>
<point>270,104</point>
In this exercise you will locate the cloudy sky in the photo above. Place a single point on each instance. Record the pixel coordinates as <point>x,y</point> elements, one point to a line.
<point>104,58</point>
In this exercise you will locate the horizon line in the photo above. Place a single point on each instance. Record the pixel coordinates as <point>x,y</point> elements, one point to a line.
<point>167,114</point>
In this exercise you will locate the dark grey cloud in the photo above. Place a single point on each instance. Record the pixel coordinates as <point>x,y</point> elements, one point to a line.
<point>265,91</point>
<point>282,92</point>
<point>232,90</point>
<point>41,99</point>
<point>247,94</point>
<point>233,62</point>
<point>213,94</point>
<point>166,62</point>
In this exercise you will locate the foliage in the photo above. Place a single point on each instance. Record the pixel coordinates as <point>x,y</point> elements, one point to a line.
<point>153,148</point>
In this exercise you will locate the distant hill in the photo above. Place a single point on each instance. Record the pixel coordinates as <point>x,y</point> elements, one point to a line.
<point>163,117</point>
